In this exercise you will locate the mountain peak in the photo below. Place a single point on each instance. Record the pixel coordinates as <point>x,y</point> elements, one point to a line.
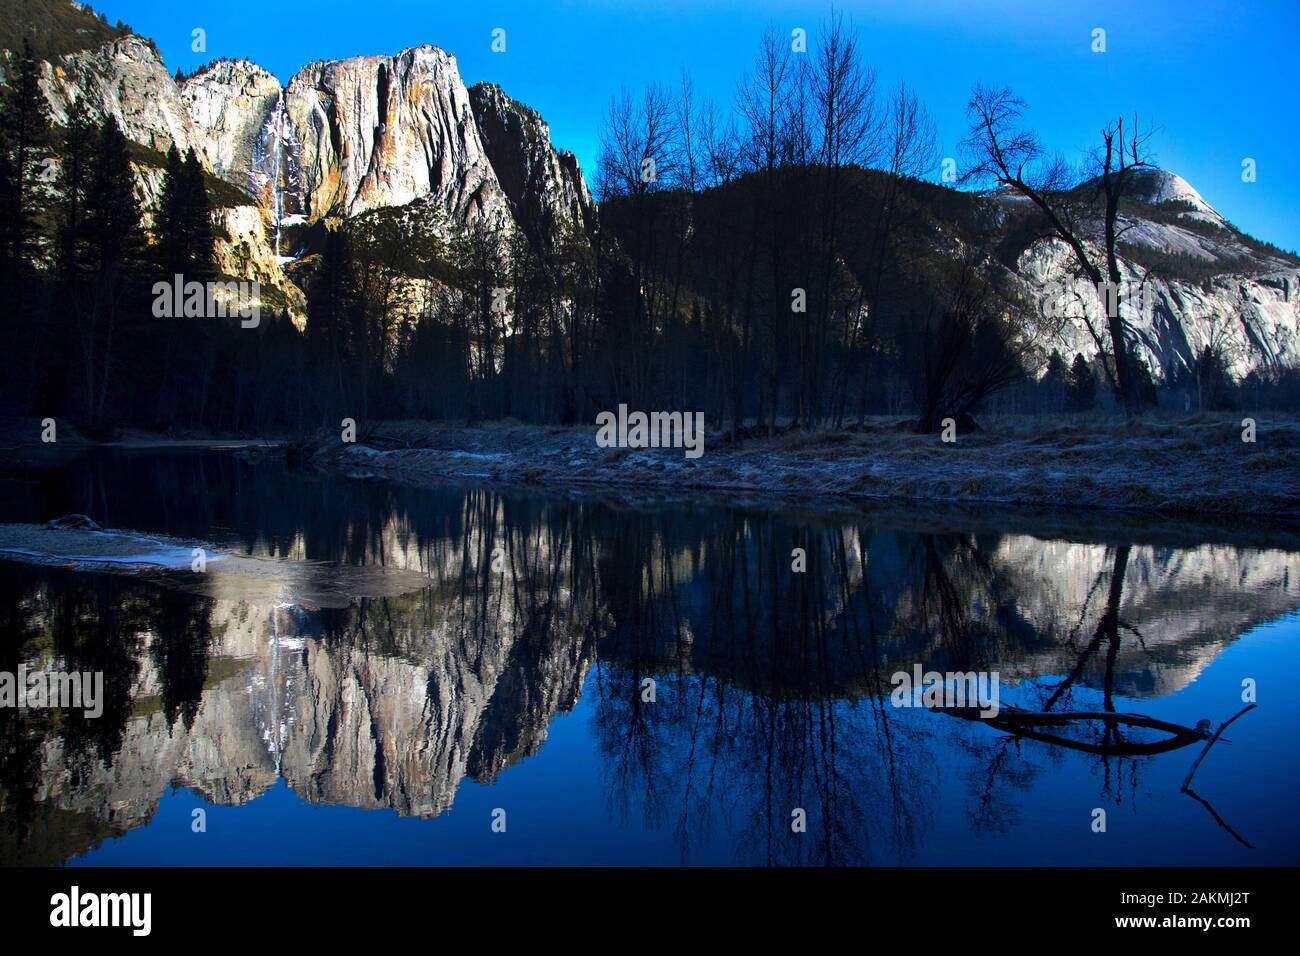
<point>1159,186</point>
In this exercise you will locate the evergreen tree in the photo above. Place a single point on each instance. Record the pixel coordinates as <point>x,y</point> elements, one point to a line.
<point>112,209</point>
<point>171,244</point>
<point>1213,382</point>
<point>1081,392</point>
<point>1055,382</point>
<point>24,133</point>
<point>198,220</point>
<point>1144,383</point>
<point>183,222</point>
<point>74,185</point>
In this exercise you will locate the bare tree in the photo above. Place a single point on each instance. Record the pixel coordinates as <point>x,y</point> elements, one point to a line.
<point>850,137</point>
<point>968,348</point>
<point>906,150</point>
<point>1001,149</point>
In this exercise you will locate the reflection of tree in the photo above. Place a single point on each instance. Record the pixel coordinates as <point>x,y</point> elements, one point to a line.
<point>180,652</point>
<point>772,686</point>
<point>1117,756</point>
<point>90,623</point>
<point>751,721</point>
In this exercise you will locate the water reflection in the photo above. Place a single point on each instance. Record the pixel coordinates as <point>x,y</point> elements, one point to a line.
<point>771,687</point>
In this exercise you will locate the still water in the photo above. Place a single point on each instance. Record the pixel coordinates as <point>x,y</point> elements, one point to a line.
<point>623,679</point>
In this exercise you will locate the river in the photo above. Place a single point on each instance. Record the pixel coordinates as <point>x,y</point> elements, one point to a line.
<point>466,674</point>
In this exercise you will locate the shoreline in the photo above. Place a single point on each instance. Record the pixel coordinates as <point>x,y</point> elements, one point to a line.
<point>1194,467</point>
<point>1197,467</point>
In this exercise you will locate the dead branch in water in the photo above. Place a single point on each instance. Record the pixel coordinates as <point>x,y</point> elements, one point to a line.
<point>1187,782</point>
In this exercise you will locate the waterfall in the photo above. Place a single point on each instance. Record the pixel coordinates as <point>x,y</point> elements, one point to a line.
<point>274,163</point>
<point>277,150</point>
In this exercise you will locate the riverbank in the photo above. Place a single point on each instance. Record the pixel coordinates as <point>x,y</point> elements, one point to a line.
<point>1196,465</point>
<point>23,442</point>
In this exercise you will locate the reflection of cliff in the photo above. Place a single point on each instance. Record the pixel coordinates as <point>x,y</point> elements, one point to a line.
<point>1186,604</point>
<point>391,702</point>
<point>341,723</point>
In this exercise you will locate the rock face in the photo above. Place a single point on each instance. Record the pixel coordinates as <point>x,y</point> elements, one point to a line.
<point>1245,296</point>
<point>1173,320</point>
<point>230,104</point>
<point>382,131</point>
<point>349,136</point>
<point>126,79</point>
<point>545,188</point>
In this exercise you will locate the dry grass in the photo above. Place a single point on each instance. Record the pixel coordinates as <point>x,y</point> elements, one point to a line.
<point>1187,464</point>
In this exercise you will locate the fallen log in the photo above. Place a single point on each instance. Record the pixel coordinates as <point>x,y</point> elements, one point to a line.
<point>1021,723</point>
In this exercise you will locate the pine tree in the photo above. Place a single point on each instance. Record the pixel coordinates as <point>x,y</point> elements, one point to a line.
<point>1081,392</point>
<point>1213,381</point>
<point>24,133</point>
<point>1144,383</point>
<point>1055,382</point>
<point>74,185</point>
<point>198,220</point>
<point>171,248</point>
<point>112,210</point>
<point>183,222</point>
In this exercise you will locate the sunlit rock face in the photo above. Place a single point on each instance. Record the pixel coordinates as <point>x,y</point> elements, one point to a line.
<point>230,103</point>
<point>383,131</point>
<point>125,79</point>
<point>349,136</point>
<point>1256,315</point>
<point>545,188</point>
<point>373,132</point>
<point>1249,302</point>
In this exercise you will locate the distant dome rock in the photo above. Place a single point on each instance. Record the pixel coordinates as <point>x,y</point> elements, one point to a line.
<point>1159,186</point>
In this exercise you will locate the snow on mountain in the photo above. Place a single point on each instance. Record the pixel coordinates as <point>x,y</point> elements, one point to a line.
<point>1159,186</point>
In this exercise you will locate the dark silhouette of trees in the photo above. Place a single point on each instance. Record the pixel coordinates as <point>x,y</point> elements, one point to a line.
<point>183,220</point>
<point>776,262</point>
<point>1002,150</point>
<point>24,134</point>
<point>966,348</point>
<point>1081,390</point>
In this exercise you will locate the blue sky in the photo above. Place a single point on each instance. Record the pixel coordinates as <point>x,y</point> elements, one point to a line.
<point>1218,79</point>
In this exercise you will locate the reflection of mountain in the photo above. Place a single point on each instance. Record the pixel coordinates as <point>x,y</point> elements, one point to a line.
<point>393,701</point>
<point>1187,603</point>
